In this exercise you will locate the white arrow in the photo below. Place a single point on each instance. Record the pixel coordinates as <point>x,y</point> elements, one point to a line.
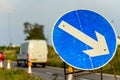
<point>99,47</point>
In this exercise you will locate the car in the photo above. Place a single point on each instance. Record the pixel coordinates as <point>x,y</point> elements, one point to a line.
<point>1,56</point>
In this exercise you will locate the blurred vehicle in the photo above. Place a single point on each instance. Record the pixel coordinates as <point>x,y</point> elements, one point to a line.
<point>34,51</point>
<point>1,56</point>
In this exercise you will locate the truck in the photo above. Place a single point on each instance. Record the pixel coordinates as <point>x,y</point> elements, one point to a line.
<point>34,51</point>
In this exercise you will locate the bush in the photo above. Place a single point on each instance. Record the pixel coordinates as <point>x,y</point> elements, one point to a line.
<point>53,58</point>
<point>10,54</point>
<point>115,63</point>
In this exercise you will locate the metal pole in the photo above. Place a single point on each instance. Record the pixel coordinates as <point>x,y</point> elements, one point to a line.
<point>9,14</point>
<point>65,76</point>
<point>101,74</point>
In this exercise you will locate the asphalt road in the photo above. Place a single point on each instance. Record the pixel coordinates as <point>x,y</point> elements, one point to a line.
<point>50,73</point>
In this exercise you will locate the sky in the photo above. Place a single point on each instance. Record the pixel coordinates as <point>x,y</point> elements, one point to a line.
<point>13,14</point>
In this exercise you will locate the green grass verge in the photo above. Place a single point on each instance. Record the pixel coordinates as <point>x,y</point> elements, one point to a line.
<point>114,64</point>
<point>54,59</point>
<point>10,54</point>
<point>16,74</point>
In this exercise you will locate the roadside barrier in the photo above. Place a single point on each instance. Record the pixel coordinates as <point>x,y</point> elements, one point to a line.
<point>1,64</point>
<point>29,68</point>
<point>70,76</point>
<point>8,64</point>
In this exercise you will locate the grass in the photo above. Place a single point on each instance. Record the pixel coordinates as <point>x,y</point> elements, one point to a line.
<point>54,59</point>
<point>115,63</point>
<point>10,54</point>
<point>16,74</point>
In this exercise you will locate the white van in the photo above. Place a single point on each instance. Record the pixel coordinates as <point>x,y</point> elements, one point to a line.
<point>34,51</point>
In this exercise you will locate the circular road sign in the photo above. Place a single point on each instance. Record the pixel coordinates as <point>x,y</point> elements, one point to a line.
<point>84,39</point>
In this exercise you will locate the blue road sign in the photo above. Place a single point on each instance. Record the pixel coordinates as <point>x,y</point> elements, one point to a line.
<point>84,39</point>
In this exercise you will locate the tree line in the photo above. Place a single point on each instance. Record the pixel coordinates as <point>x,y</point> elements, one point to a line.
<point>34,31</point>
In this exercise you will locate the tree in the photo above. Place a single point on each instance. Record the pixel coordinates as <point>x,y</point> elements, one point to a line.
<point>34,31</point>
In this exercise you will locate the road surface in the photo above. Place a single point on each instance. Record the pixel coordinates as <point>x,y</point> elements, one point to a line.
<point>50,73</point>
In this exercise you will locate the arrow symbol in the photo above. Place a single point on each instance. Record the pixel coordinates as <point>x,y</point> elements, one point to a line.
<point>99,47</point>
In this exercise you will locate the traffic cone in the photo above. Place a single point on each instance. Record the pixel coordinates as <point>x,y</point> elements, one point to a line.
<point>8,64</point>
<point>70,76</point>
<point>29,68</point>
<point>1,64</point>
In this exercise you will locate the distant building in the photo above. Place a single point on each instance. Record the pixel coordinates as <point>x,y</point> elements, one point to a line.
<point>15,45</point>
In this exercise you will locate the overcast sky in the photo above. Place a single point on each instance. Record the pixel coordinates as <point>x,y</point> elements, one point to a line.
<point>46,12</point>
